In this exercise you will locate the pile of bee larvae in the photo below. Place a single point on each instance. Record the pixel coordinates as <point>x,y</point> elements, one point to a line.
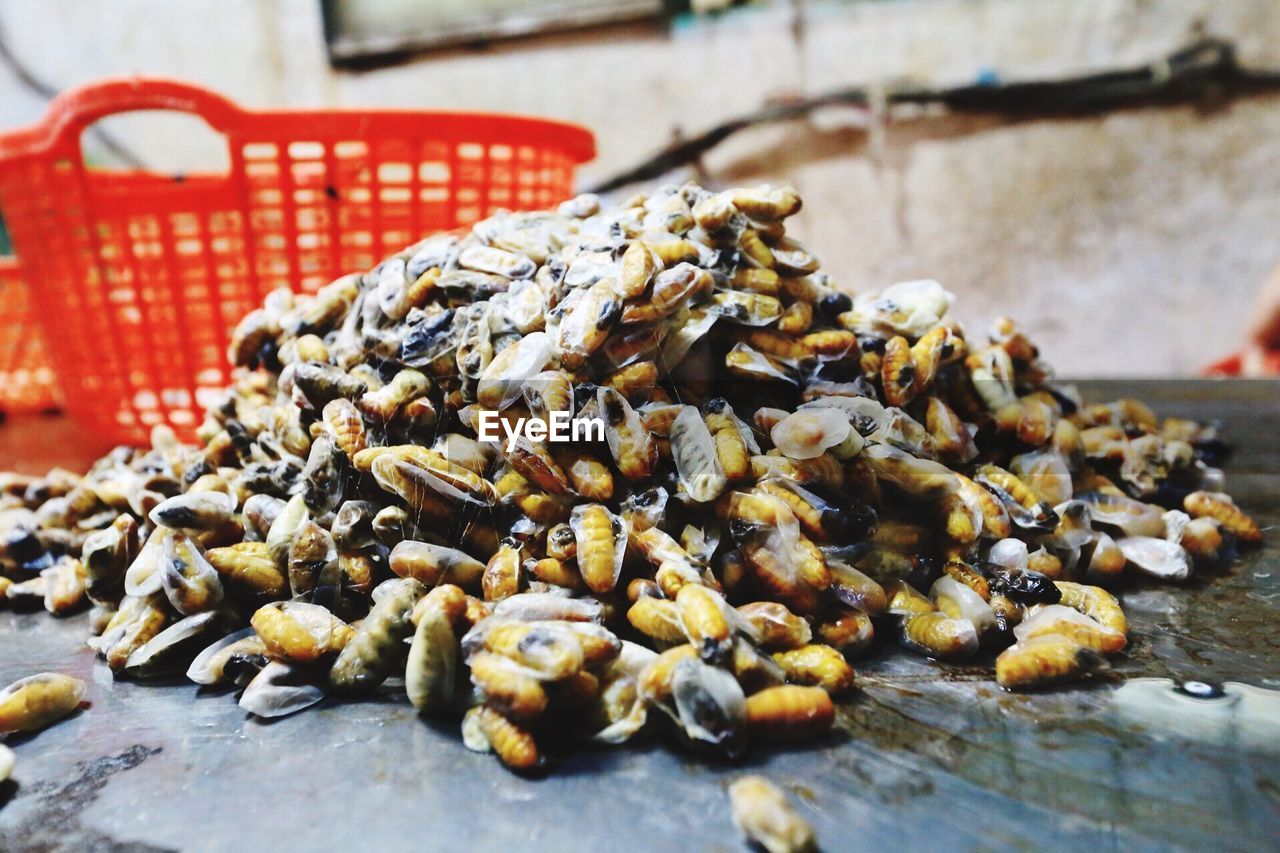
<point>788,477</point>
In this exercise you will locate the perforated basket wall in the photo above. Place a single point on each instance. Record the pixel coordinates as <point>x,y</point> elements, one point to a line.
<point>26,380</point>
<point>138,278</point>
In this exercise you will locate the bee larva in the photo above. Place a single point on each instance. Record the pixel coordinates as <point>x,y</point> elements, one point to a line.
<point>790,713</point>
<point>656,678</point>
<point>137,621</point>
<point>969,576</point>
<point>762,813</point>
<point>638,268</point>
<point>1045,563</point>
<point>65,586</point>
<point>1222,509</point>
<point>236,658</point>
<point>635,381</point>
<point>939,636</point>
<point>299,632</point>
<point>589,477</point>
<point>601,542</point>
<point>1057,619</point>
<point>432,564</point>
<point>766,204</point>
<point>643,588</point>
<point>430,676</point>
<point>378,645</point>
<point>561,544</point>
<point>817,666</point>
<point>756,249</point>
<point>1002,479</point>
<point>599,645</point>
<point>38,701</point>
<point>898,372</point>
<point>512,744</point>
<point>1045,659</point>
<point>501,578</point>
<point>1202,539</point>
<point>550,651</point>
<point>657,618</point>
<point>536,464</point>
<point>250,566</point>
<point>796,319</point>
<point>343,422</point>
<point>703,617</point>
<point>774,344</point>
<point>850,631</point>
<point>507,689</point>
<point>1094,602</point>
<point>555,572</point>
<point>778,627</point>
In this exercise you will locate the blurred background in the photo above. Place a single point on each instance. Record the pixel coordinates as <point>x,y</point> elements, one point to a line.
<point>1128,238</point>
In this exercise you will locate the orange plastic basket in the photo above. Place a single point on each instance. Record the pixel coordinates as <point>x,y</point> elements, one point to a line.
<point>137,279</point>
<point>26,380</point>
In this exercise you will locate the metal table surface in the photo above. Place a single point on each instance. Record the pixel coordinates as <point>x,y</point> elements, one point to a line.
<point>927,756</point>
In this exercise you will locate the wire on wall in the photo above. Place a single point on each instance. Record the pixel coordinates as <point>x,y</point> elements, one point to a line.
<point>1205,71</point>
<point>43,89</point>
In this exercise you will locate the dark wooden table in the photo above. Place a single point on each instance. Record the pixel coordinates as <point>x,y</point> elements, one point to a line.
<point>928,756</point>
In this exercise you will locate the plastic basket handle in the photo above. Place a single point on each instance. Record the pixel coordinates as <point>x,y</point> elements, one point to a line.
<point>74,110</point>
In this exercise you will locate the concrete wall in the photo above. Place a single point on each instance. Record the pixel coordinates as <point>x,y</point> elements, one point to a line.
<point>1129,244</point>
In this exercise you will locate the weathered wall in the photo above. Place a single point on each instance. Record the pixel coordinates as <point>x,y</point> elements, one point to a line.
<point>1129,243</point>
